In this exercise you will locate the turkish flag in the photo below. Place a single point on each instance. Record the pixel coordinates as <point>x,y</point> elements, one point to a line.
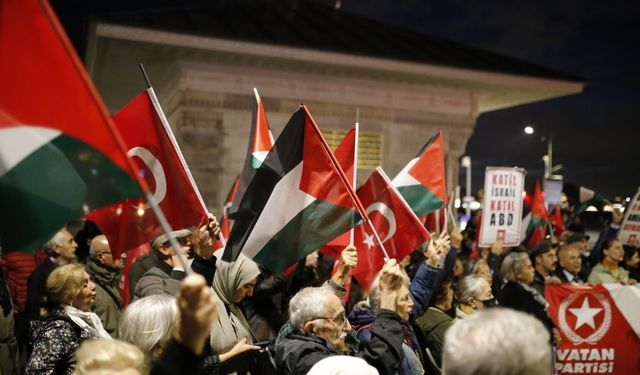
<point>151,144</point>
<point>399,229</point>
<point>599,326</point>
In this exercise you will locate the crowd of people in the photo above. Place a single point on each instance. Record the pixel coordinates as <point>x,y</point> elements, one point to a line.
<point>447,308</point>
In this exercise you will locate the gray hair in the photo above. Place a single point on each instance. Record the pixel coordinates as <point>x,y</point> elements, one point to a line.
<point>308,304</point>
<point>56,240</point>
<point>148,322</point>
<point>512,265</point>
<point>469,287</point>
<point>488,334</point>
<point>476,264</point>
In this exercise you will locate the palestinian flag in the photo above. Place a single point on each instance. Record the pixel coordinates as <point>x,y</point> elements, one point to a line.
<point>260,143</point>
<point>60,155</point>
<point>581,197</point>
<point>298,200</point>
<point>346,155</point>
<point>422,181</point>
<point>538,219</point>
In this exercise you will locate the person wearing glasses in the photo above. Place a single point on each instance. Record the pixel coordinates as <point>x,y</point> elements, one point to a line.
<point>104,271</point>
<point>318,328</point>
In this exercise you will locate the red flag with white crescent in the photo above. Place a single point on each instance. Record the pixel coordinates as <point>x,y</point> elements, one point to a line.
<point>153,147</point>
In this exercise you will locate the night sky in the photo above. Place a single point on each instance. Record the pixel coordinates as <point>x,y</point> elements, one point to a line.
<point>594,133</point>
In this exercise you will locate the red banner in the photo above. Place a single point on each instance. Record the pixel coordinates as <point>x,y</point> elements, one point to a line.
<point>599,326</point>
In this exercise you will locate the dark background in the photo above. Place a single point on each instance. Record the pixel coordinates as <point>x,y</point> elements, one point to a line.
<point>594,133</point>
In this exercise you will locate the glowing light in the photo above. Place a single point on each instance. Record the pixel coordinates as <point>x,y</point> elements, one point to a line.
<point>140,212</point>
<point>456,203</point>
<point>528,130</point>
<point>475,205</point>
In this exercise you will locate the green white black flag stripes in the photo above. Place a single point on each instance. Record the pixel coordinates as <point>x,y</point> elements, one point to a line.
<point>47,178</point>
<point>295,202</point>
<point>421,181</point>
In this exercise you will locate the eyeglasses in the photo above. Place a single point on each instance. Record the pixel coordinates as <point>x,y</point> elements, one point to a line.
<point>339,320</point>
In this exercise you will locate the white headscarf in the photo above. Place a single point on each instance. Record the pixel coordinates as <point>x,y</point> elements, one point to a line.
<point>230,327</point>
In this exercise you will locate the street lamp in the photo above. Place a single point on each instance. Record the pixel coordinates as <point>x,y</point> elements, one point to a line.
<point>466,163</point>
<point>549,168</point>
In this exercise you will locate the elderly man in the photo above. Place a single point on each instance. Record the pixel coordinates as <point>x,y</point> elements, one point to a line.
<point>165,277</point>
<point>318,328</point>
<point>105,272</point>
<point>485,343</point>
<point>61,250</point>
<point>569,264</point>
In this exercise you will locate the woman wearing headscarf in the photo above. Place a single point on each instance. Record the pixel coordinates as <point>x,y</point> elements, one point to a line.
<point>70,296</point>
<point>232,283</point>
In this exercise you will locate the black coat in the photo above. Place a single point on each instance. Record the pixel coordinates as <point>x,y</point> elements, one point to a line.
<point>37,288</point>
<point>518,298</point>
<point>297,352</point>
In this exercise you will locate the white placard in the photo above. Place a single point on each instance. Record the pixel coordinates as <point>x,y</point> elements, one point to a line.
<point>502,206</point>
<point>630,228</point>
<point>552,192</point>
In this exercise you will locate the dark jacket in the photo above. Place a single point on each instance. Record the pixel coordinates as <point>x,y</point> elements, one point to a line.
<point>362,320</point>
<point>297,352</point>
<point>518,298</point>
<point>55,339</point>
<point>140,267</point>
<point>37,288</point>
<point>421,288</point>
<point>108,303</point>
<point>432,325</point>
<point>162,279</point>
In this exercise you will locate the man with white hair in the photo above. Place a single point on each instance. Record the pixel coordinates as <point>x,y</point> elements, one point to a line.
<point>61,250</point>
<point>484,343</point>
<point>318,328</point>
<point>105,274</point>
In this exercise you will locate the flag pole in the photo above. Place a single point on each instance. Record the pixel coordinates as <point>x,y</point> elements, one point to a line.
<point>355,170</point>
<point>174,143</point>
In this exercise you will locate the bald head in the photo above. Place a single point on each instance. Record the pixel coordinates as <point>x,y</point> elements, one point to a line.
<point>569,258</point>
<point>99,244</point>
<point>100,252</point>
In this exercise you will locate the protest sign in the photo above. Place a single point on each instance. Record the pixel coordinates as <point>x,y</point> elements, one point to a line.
<point>502,206</point>
<point>630,228</point>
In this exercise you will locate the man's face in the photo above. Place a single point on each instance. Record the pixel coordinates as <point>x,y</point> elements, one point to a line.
<point>333,326</point>
<point>570,260</point>
<point>405,303</point>
<point>615,253</point>
<point>66,249</point>
<point>548,261</point>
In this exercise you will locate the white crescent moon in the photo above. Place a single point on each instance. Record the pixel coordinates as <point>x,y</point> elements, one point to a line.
<point>156,169</point>
<point>388,214</point>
